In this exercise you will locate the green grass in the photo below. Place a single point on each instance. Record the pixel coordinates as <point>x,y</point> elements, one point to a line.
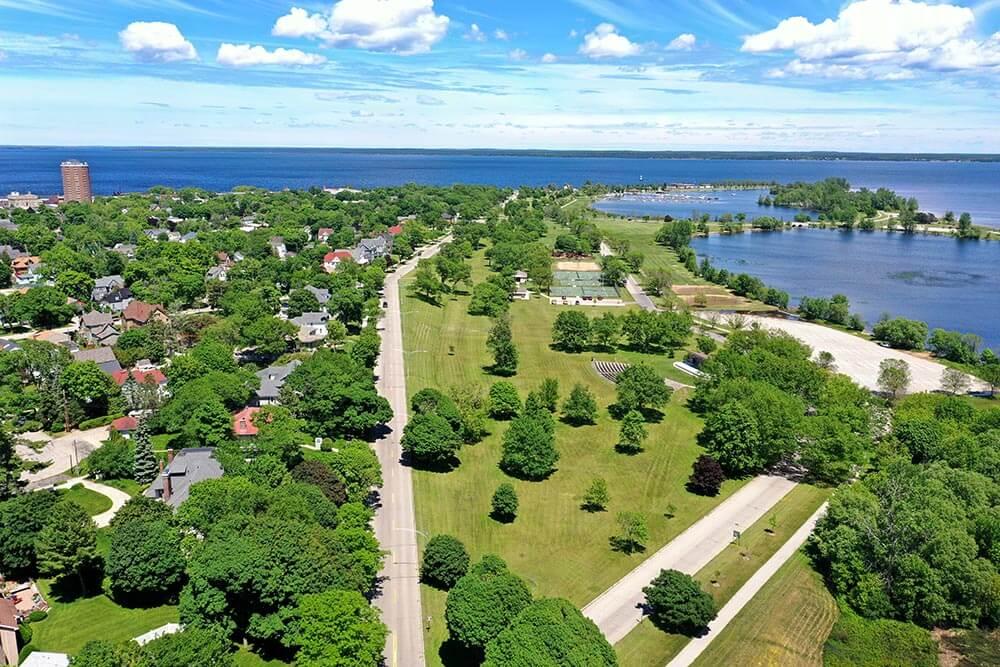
<point>976,647</point>
<point>72,624</point>
<point>129,486</point>
<point>244,657</point>
<point>648,645</point>
<point>558,548</point>
<point>95,503</point>
<point>855,641</point>
<point>642,236</point>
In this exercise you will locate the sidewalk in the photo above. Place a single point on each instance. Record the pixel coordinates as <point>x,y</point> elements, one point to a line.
<point>118,498</point>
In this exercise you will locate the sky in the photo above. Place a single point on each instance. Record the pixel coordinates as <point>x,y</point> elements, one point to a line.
<point>861,75</point>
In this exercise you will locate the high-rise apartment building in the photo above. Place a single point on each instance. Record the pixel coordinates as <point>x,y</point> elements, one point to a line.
<point>76,181</point>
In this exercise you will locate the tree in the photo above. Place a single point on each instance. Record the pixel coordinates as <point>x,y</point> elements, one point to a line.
<point>429,439</point>
<point>633,532</point>
<point>44,307</point>
<point>706,476</point>
<point>901,333</point>
<point>145,461</point>
<point>358,465</point>
<point>10,465</point>
<point>67,544</point>
<point>445,561</point>
<point>732,436</point>
<point>676,234</point>
<point>548,393</point>
<point>101,653</point>
<point>991,374</point>
<point>954,381</point>
<point>75,284</point>
<point>85,383</point>
<point>323,476</point>
<point>529,449</point>
<point>677,603</point>
<point>632,433</point>
<point>504,401</point>
<point>605,331</point>
<point>426,284</point>
<point>115,459</point>
<point>302,301</point>
<point>141,509</point>
<point>500,342</point>
<point>504,503</point>
<point>489,299</point>
<point>192,647</point>
<point>571,331</point>
<point>210,425</point>
<point>614,270</point>
<point>366,347</point>
<point>145,561</point>
<point>551,632</point>
<point>596,498</point>
<point>580,407</point>
<point>21,519</point>
<point>893,377</point>
<point>337,629</point>
<point>483,602</point>
<point>826,361</point>
<point>641,388</point>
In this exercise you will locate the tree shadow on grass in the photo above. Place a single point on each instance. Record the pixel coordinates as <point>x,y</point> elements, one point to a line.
<point>651,415</point>
<point>430,466</point>
<point>627,547</point>
<point>455,654</point>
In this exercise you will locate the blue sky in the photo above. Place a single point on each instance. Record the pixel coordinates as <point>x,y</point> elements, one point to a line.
<point>875,75</point>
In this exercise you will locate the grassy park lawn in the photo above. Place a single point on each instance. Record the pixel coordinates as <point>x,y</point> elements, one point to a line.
<point>557,547</point>
<point>95,503</point>
<point>72,624</point>
<point>649,646</point>
<point>129,486</point>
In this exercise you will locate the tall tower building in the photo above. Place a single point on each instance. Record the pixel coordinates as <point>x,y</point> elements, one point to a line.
<point>76,181</point>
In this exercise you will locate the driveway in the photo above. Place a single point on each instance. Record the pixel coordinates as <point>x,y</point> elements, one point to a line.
<point>118,498</point>
<point>60,453</point>
<point>638,294</point>
<point>619,609</point>
<point>859,358</point>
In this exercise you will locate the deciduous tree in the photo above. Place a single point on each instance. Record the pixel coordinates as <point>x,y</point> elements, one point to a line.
<point>445,561</point>
<point>580,407</point>
<point>677,603</point>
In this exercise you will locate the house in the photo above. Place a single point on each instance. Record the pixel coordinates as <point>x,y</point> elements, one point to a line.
<point>11,252</point>
<point>323,234</point>
<point>8,632</point>
<point>249,223</point>
<point>312,328</point>
<point>219,273</point>
<point>368,250</point>
<point>333,260</point>
<point>9,346</point>
<point>160,233</point>
<point>127,249</point>
<point>150,378</point>
<point>7,225</point>
<point>396,230</point>
<point>322,295</point>
<point>520,277</point>
<point>277,244</point>
<point>102,356</point>
<point>272,379</point>
<point>105,286</point>
<point>190,236</point>
<point>27,269</point>
<point>188,467</point>
<point>140,313</point>
<point>117,301</point>
<point>243,426</point>
<point>125,426</point>
<point>97,328</point>
<point>57,338</point>
<point>26,201</point>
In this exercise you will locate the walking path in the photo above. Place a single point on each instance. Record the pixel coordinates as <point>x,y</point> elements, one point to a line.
<point>395,522</point>
<point>638,294</point>
<point>619,609</point>
<point>118,498</point>
<point>746,593</point>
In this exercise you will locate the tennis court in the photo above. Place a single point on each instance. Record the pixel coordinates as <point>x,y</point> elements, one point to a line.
<point>584,284</point>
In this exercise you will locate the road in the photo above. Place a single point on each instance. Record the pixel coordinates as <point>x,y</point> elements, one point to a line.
<point>746,593</point>
<point>638,294</point>
<point>619,609</point>
<point>118,498</point>
<point>395,522</point>
<point>859,358</point>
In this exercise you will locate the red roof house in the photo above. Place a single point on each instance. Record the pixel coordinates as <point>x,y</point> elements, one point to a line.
<point>243,426</point>
<point>125,425</point>
<point>139,313</point>
<point>396,230</point>
<point>333,259</point>
<point>154,376</point>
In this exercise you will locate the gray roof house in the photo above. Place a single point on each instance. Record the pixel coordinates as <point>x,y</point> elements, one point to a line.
<point>118,300</point>
<point>368,250</point>
<point>97,328</point>
<point>312,328</point>
<point>272,379</point>
<point>102,356</point>
<point>220,273</point>
<point>322,295</point>
<point>12,252</point>
<point>127,249</point>
<point>105,286</point>
<point>277,244</point>
<point>188,467</point>
<point>190,236</point>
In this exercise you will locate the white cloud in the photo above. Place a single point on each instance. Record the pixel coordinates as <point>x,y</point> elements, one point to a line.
<point>3,56</point>
<point>518,55</point>
<point>880,38</point>
<point>550,58</point>
<point>156,42</point>
<point>395,26</point>
<point>430,101</point>
<point>573,34</point>
<point>244,55</point>
<point>683,42</point>
<point>606,42</point>
<point>475,34</point>
<point>361,113</point>
<point>501,34</point>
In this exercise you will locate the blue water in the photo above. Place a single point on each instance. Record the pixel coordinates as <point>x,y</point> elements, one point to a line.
<point>692,204</point>
<point>939,186</point>
<point>945,282</point>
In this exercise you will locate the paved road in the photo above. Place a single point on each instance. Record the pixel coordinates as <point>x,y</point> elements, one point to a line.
<point>395,522</point>
<point>859,358</point>
<point>618,610</point>
<point>118,498</point>
<point>746,593</point>
<point>60,453</point>
<point>633,287</point>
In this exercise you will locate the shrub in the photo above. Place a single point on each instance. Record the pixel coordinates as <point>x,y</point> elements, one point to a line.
<point>97,421</point>
<point>505,503</point>
<point>37,616</point>
<point>445,561</point>
<point>677,603</point>
<point>596,498</point>
<point>706,476</point>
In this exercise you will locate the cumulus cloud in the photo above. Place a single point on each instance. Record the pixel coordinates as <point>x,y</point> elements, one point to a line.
<point>518,55</point>
<point>244,55</point>
<point>501,34</point>
<point>550,58</point>
<point>683,42</point>
<point>156,41</point>
<point>394,26</point>
<point>475,34</point>
<point>606,42</point>
<point>881,39</point>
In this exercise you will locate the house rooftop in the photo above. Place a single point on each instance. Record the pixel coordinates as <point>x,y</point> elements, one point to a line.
<point>189,466</point>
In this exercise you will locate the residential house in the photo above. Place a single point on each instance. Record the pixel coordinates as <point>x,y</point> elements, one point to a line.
<point>125,426</point>
<point>190,236</point>
<point>127,249</point>
<point>219,273</point>
<point>323,234</point>
<point>8,632</point>
<point>97,328</point>
<point>243,426</point>
<point>312,328</point>
<point>159,233</point>
<point>333,260</point>
<point>8,225</point>
<point>11,252</point>
<point>57,338</point>
<point>277,244</point>
<point>105,286</point>
<point>25,201</point>
<point>188,467</point>
<point>27,269</point>
<point>395,230</point>
<point>322,295</point>
<point>9,346</point>
<point>117,301</point>
<point>140,313</point>
<point>147,379</point>
<point>102,356</point>
<point>272,379</point>
<point>520,277</point>
<point>368,250</point>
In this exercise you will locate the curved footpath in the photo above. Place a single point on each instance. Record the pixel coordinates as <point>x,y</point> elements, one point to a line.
<point>118,498</point>
<point>619,609</point>
<point>395,521</point>
<point>696,646</point>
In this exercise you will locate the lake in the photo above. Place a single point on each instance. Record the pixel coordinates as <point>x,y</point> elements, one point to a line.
<point>945,282</point>
<point>937,185</point>
<point>693,203</point>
